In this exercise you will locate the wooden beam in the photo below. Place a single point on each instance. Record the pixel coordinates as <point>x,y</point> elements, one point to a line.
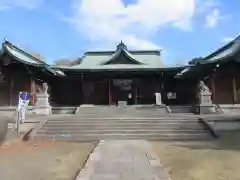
<point>213,88</point>
<point>109,93</point>
<point>33,88</point>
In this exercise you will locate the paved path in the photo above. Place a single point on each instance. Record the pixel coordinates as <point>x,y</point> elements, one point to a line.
<point>125,160</point>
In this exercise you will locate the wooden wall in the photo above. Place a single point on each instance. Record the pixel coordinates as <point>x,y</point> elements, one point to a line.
<point>16,79</point>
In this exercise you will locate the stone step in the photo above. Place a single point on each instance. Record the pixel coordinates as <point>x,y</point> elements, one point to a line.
<point>120,122</point>
<point>121,112</point>
<point>114,115</point>
<point>122,131</point>
<point>125,126</point>
<point>116,136</point>
<point>120,118</point>
<point>124,118</point>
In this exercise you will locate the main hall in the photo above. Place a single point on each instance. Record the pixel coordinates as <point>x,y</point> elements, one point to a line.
<point>110,77</point>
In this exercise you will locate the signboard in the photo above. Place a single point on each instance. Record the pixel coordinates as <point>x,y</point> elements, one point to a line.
<point>158,98</point>
<point>23,101</point>
<point>124,84</point>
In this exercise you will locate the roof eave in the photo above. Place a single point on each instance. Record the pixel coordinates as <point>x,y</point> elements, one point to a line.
<point>235,42</point>
<point>41,65</point>
<point>19,59</point>
<point>122,69</point>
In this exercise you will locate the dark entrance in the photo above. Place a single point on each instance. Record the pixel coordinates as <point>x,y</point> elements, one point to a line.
<point>123,91</point>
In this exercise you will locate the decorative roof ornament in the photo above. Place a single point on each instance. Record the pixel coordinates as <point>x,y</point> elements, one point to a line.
<point>121,45</point>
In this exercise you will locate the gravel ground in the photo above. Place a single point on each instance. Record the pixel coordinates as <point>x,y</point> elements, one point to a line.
<point>45,160</point>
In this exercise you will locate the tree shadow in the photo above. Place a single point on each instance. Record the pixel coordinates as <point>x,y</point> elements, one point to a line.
<point>228,140</point>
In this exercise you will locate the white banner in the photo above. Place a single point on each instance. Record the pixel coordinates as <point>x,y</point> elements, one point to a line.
<point>24,99</point>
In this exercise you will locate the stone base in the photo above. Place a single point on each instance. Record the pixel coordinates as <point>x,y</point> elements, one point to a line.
<point>205,98</point>
<point>42,105</point>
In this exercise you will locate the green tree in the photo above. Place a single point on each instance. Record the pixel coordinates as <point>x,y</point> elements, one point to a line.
<point>76,61</point>
<point>65,62</point>
<point>195,60</point>
<point>68,62</point>
<point>38,56</point>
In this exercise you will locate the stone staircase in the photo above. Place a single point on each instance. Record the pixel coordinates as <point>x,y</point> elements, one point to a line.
<point>181,109</point>
<point>98,123</point>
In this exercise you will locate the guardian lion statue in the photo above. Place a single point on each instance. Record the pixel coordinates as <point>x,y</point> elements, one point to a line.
<point>203,87</point>
<point>44,89</point>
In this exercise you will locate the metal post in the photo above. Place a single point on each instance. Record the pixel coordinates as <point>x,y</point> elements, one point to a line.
<point>18,123</point>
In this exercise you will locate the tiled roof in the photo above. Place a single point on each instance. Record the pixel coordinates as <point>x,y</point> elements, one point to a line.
<point>24,57</point>
<point>103,59</point>
<point>20,54</point>
<point>224,52</point>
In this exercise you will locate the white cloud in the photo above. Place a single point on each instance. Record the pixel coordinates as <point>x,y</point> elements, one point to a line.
<point>213,18</point>
<point>28,4</point>
<point>112,20</point>
<point>109,21</point>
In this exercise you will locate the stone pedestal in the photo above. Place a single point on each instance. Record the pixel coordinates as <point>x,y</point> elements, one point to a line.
<point>206,106</point>
<point>205,98</point>
<point>158,99</point>
<point>42,105</point>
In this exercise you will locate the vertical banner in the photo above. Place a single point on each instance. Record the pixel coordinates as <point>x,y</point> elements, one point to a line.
<point>24,99</point>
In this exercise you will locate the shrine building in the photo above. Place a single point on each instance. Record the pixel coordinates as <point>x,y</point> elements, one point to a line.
<point>133,76</point>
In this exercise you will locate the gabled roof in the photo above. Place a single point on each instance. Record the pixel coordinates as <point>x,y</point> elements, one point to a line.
<point>222,55</point>
<point>117,55</point>
<point>21,55</point>
<point>227,51</point>
<point>104,59</point>
<point>24,57</point>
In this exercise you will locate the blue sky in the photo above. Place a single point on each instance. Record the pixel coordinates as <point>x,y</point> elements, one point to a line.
<point>182,29</point>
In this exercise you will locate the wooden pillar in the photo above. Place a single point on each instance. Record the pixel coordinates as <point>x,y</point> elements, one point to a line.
<point>234,88</point>
<point>33,89</point>
<point>136,95</point>
<point>109,93</point>
<point>213,89</point>
<point>11,81</point>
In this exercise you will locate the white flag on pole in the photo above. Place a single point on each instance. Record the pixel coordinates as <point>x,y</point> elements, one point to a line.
<point>24,99</point>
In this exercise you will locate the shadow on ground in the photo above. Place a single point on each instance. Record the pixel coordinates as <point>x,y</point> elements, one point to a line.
<point>228,140</point>
<point>44,160</point>
<point>201,160</point>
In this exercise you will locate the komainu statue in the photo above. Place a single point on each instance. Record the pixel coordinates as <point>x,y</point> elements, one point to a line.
<point>44,89</point>
<point>203,87</point>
